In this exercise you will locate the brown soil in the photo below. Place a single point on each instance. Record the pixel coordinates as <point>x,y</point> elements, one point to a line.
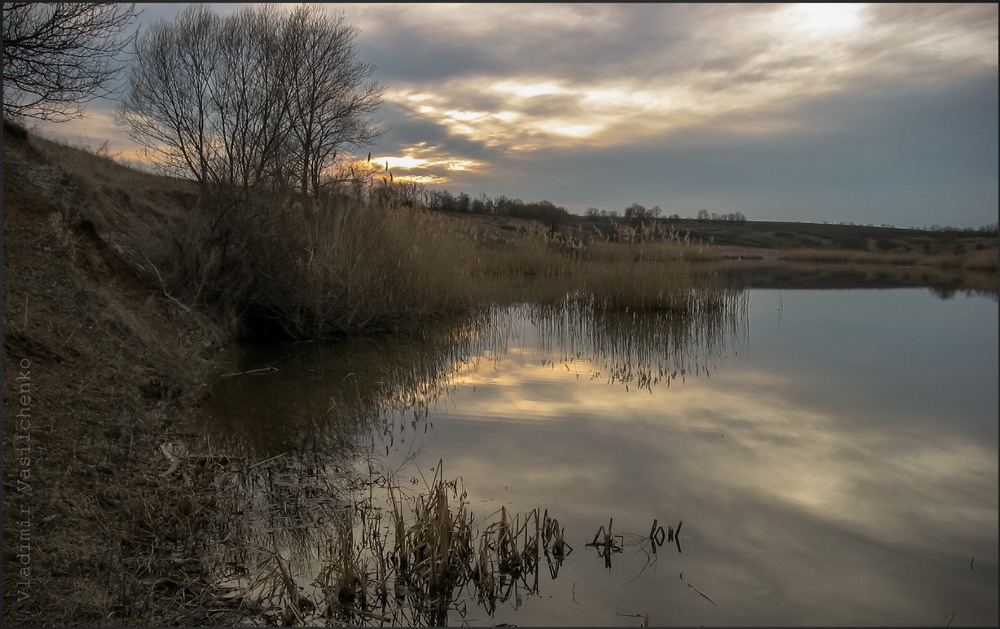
<point>98,365</point>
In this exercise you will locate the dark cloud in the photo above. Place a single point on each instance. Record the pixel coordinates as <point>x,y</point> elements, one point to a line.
<point>579,41</point>
<point>917,156</point>
<point>403,128</point>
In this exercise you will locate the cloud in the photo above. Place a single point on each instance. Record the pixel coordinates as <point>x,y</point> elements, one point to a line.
<point>544,84</point>
<point>871,113</point>
<point>851,156</point>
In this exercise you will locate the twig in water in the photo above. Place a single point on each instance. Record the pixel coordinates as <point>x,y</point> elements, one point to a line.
<point>277,456</point>
<point>707,597</point>
<point>630,614</point>
<point>267,369</point>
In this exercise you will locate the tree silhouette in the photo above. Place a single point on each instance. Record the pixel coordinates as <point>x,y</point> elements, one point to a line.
<point>59,56</point>
<point>260,97</point>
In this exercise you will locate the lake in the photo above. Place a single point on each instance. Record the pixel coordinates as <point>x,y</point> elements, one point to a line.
<point>809,457</point>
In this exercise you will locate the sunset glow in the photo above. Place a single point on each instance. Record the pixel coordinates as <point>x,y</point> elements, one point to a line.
<point>517,99</point>
<point>432,170</point>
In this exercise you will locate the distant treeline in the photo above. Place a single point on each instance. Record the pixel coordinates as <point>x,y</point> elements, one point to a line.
<point>640,212</point>
<point>988,230</point>
<point>546,211</point>
<point>444,201</point>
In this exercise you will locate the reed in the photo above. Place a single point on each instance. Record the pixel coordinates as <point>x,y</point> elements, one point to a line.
<point>981,259</point>
<point>274,268</point>
<point>431,554</point>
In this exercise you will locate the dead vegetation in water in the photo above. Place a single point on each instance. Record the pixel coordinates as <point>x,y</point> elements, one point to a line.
<point>409,561</point>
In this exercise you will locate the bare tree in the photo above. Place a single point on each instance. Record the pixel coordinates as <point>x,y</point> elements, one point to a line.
<point>258,98</point>
<point>167,102</point>
<point>332,103</point>
<point>249,98</point>
<point>59,56</point>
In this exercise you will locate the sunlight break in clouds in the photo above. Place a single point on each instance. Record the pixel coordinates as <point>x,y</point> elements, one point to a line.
<point>422,164</point>
<point>823,18</point>
<point>742,69</point>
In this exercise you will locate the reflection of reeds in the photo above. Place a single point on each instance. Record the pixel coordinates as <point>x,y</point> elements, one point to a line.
<point>644,348</point>
<point>554,544</point>
<point>329,561</point>
<point>607,543</point>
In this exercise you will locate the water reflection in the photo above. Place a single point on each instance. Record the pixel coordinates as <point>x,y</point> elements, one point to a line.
<point>381,550</point>
<point>310,398</point>
<point>640,349</point>
<point>943,283</point>
<point>317,398</point>
<point>311,535</point>
<point>839,470</point>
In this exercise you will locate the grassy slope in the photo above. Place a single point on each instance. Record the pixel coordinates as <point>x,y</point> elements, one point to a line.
<point>112,362</point>
<point>790,235</point>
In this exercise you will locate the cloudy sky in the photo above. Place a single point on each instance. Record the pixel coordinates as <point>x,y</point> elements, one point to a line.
<point>879,113</point>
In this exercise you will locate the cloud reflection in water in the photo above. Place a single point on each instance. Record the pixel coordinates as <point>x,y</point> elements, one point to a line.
<point>815,488</point>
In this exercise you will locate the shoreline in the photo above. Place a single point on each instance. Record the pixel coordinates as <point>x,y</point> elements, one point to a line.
<point>101,365</point>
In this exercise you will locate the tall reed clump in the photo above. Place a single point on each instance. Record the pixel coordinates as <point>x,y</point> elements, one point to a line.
<point>274,268</point>
<point>508,552</point>
<point>369,268</point>
<point>432,554</point>
<point>278,269</point>
<point>651,268</point>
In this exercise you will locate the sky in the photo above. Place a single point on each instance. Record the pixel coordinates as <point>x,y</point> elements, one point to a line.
<point>861,113</point>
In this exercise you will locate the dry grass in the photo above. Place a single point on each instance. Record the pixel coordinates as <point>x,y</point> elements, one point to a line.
<point>267,266</point>
<point>980,260</point>
<point>349,266</point>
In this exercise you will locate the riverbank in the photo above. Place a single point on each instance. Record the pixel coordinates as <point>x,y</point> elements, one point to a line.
<point>102,361</point>
<point>98,365</point>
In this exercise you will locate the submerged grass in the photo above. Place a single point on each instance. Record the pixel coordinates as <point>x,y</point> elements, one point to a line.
<point>427,559</point>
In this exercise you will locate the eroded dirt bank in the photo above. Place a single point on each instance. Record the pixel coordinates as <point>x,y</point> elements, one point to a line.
<point>98,367</point>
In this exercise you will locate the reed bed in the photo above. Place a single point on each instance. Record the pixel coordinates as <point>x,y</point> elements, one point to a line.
<point>277,269</point>
<point>644,272</point>
<point>977,259</point>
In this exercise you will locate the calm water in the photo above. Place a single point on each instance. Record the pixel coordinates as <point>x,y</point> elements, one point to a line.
<point>831,453</point>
